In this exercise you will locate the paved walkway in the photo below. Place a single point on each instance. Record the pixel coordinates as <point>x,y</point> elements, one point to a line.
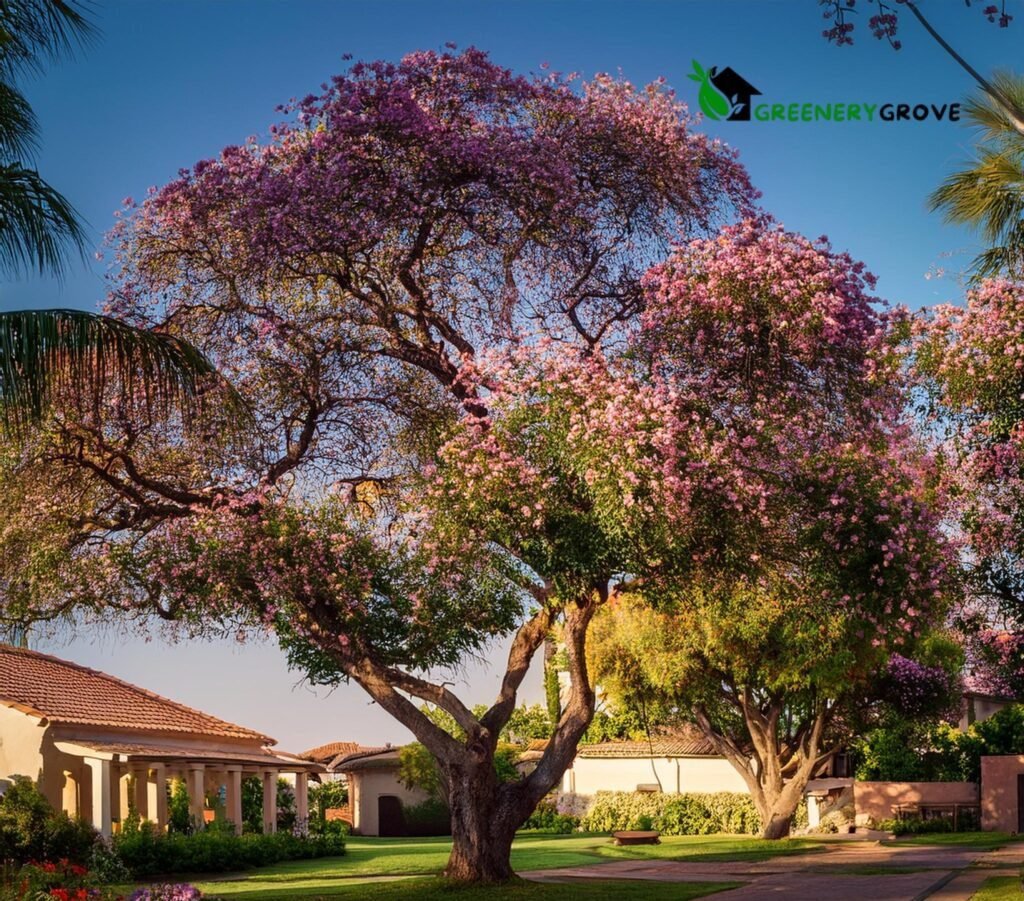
<point>841,873</point>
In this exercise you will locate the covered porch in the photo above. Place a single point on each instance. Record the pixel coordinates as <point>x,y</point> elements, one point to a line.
<point>104,781</point>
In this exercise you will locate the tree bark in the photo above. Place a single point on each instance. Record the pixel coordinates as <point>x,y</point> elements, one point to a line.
<point>776,771</point>
<point>484,823</point>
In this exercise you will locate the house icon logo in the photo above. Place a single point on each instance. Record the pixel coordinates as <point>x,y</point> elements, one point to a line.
<point>723,94</point>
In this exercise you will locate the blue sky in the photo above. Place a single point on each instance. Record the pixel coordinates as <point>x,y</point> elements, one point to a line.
<point>168,83</point>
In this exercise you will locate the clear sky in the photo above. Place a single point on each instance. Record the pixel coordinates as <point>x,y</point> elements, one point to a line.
<point>168,83</point>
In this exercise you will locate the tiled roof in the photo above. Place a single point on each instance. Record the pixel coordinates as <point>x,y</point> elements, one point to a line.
<point>64,692</point>
<point>327,753</point>
<point>686,746</point>
<point>369,759</point>
<point>156,751</point>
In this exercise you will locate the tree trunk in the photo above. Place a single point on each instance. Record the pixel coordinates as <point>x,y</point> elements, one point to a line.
<point>484,822</point>
<point>777,806</point>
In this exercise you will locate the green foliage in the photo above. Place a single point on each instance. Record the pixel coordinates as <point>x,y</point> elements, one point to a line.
<point>546,818</point>
<point>325,796</point>
<point>30,829</point>
<point>252,805</point>
<point>147,853</point>
<point>418,769</point>
<point>552,691</point>
<point>683,814</point>
<point>890,754</point>
<point>912,751</point>
<point>179,813</point>
<point>916,825</point>
<point>430,817</point>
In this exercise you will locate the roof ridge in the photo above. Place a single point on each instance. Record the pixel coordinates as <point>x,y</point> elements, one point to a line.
<point>243,731</point>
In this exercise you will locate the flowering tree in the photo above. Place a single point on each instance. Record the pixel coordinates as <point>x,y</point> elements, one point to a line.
<point>827,556</point>
<point>971,364</point>
<point>419,283</point>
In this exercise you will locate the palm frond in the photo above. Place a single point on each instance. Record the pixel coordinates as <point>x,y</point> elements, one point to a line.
<point>32,31</point>
<point>45,353</point>
<point>988,193</point>
<point>37,225</point>
<point>18,130</point>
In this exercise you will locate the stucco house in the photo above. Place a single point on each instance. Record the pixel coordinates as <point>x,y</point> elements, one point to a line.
<point>684,763</point>
<point>375,795</point>
<point>87,739</point>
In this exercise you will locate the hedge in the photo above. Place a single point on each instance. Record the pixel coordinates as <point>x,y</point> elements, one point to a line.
<point>147,853</point>
<point>671,814</point>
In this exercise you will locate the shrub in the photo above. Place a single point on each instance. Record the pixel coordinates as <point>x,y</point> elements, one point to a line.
<point>916,825</point>
<point>685,814</point>
<point>30,829</point>
<point>546,818</point>
<point>147,853</point>
<point>431,817</point>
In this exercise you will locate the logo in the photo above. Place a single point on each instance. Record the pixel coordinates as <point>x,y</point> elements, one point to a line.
<point>727,95</point>
<point>723,95</point>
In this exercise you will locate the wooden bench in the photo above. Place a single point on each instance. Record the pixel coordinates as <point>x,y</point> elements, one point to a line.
<point>636,838</point>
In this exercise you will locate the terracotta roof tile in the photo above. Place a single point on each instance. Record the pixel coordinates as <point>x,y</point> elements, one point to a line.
<point>368,758</point>
<point>65,692</point>
<point>327,753</point>
<point>156,751</point>
<point>688,746</point>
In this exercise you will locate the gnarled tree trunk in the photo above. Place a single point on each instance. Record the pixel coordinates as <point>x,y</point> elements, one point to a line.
<point>486,813</point>
<point>775,768</point>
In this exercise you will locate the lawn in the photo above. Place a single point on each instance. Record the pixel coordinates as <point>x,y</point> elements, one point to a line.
<point>373,858</point>
<point>999,888</point>
<point>433,889</point>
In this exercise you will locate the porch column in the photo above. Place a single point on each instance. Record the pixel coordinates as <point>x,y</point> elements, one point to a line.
<point>302,801</point>
<point>269,801</point>
<point>196,785</point>
<point>119,801</point>
<point>156,796</point>
<point>140,779</point>
<point>233,797</point>
<point>99,772</point>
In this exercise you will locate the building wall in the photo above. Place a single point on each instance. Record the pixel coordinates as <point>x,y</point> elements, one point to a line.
<point>999,808</point>
<point>879,800</point>
<point>366,786</point>
<point>676,774</point>
<point>21,744</point>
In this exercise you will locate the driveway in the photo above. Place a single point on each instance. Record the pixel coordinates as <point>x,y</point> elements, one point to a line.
<point>847,872</point>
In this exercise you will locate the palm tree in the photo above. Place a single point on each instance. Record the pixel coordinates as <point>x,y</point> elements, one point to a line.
<point>989,193</point>
<point>42,352</point>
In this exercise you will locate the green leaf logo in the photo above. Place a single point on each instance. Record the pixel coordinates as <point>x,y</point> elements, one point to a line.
<point>712,102</point>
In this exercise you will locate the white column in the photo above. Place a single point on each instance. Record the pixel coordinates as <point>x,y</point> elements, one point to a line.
<point>99,771</point>
<point>119,802</point>
<point>196,785</point>
<point>233,797</point>
<point>302,800</point>
<point>140,777</point>
<point>269,801</point>
<point>813,811</point>
<point>156,801</point>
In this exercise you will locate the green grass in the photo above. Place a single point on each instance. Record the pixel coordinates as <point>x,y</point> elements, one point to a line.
<point>985,841</point>
<point>436,890</point>
<point>370,859</point>
<point>999,888</point>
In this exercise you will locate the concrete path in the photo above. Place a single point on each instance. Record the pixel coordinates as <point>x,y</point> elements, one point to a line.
<point>914,873</point>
